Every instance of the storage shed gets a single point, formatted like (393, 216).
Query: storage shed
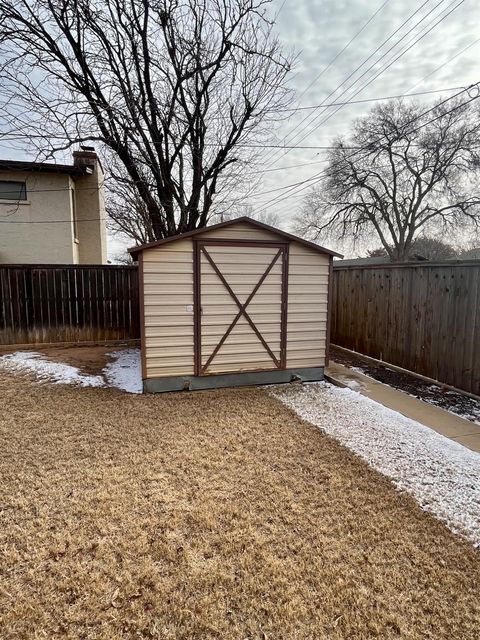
(236, 303)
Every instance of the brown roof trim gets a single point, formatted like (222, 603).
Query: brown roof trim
(255, 223)
(44, 167)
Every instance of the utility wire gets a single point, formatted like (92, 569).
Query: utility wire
(410, 45)
(295, 184)
(390, 63)
(406, 50)
(271, 157)
(444, 64)
(97, 188)
(295, 166)
(333, 60)
(277, 200)
(320, 175)
(363, 100)
(352, 73)
(15, 136)
(71, 221)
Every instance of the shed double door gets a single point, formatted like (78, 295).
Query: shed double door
(240, 306)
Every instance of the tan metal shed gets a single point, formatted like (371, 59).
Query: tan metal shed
(236, 303)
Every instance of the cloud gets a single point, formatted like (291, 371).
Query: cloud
(318, 31)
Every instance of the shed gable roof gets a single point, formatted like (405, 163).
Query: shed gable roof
(134, 251)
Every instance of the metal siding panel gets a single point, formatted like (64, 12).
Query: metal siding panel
(170, 369)
(307, 307)
(168, 292)
(244, 339)
(181, 249)
(242, 231)
(236, 280)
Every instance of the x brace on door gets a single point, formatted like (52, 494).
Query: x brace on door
(242, 308)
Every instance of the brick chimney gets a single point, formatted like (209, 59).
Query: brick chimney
(86, 157)
(90, 208)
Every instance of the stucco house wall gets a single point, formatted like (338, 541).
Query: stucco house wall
(62, 220)
(23, 238)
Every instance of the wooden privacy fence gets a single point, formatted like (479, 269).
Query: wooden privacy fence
(68, 303)
(424, 317)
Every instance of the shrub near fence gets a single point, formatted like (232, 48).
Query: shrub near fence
(424, 317)
(68, 303)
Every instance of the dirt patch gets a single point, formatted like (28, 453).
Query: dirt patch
(90, 360)
(438, 395)
(210, 515)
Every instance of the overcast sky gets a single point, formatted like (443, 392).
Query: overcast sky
(317, 31)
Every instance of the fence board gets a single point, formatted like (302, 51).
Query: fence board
(68, 303)
(424, 317)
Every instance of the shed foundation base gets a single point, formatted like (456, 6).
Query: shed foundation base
(196, 383)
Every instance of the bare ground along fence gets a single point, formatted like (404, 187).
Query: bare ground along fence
(424, 317)
(68, 303)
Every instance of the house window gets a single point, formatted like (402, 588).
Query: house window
(10, 190)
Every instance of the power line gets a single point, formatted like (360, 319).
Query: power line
(398, 95)
(411, 45)
(333, 60)
(319, 176)
(292, 185)
(323, 147)
(444, 64)
(295, 166)
(73, 189)
(14, 136)
(71, 221)
(97, 188)
(422, 79)
(271, 156)
(276, 200)
(11, 136)
(352, 73)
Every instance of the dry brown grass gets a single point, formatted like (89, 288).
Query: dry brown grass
(210, 515)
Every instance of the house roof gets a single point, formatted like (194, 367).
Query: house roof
(44, 167)
(134, 251)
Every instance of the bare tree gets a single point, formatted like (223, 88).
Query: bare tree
(422, 247)
(408, 173)
(176, 90)
(123, 258)
(246, 209)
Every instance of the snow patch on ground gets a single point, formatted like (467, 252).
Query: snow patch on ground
(442, 475)
(56, 372)
(125, 371)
